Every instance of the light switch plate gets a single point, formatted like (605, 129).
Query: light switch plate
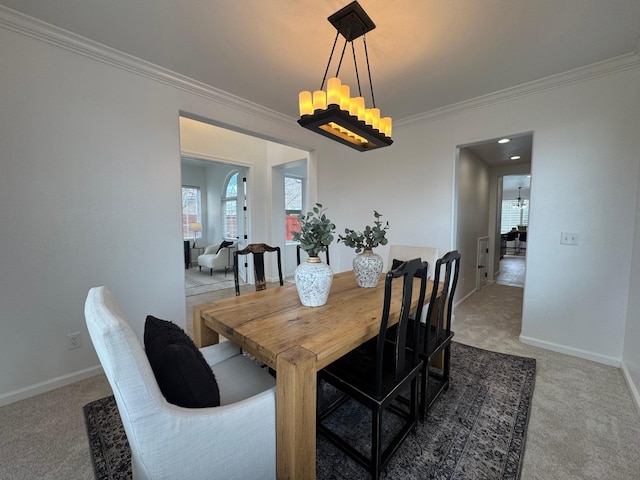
(569, 238)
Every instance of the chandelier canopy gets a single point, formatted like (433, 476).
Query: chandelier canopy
(333, 112)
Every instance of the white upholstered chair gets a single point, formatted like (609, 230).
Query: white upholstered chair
(233, 441)
(216, 257)
(404, 252)
(426, 254)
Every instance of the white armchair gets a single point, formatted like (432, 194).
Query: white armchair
(233, 441)
(216, 257)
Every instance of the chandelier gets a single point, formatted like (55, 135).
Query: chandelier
(333, 112)
(520, 204)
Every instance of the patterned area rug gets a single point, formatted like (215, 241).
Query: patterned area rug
(476, 429)
(197, 282)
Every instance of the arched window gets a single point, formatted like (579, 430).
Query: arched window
(230, 207)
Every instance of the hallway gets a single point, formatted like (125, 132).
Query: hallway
(512, 270)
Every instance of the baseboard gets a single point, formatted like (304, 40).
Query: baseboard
(459, 301)
(42, 387)
(574, 352)
(632, 386)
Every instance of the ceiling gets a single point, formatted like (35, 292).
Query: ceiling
(424, 54)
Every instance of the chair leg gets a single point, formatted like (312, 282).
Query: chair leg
(199, 268)
(424, 380)
(447, 365)
(413, 409)
(376, 443)
(211, 272)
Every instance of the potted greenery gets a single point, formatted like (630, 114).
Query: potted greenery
(367, 265)
(313, 278)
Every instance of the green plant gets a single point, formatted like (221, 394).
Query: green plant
(316, 231)
(368, 239)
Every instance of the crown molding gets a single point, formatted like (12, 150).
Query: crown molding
(34, 28)
(581, 74)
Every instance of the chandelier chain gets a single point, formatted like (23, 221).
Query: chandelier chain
(326, 70)
(355, 66)
(366, 54)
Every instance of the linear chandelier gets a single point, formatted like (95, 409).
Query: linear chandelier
(334, 113)
(520, 204)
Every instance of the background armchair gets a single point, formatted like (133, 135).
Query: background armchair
(217, 256)
(233, 441)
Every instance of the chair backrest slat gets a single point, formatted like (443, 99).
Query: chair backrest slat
(444, 305)
(407, 271)
(257, 250)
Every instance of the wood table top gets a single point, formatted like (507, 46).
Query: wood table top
(271, 321)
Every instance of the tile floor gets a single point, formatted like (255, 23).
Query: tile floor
(512, 269)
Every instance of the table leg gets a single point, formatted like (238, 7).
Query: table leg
(296, 414)
(203, 336)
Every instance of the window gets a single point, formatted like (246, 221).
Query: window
(292, 205)
(230, 207)
(512, 215)
(191, 211)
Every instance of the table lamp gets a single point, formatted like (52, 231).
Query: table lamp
(195, 227)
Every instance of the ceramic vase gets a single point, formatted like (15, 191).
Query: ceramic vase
(313, 281)
(367, 267)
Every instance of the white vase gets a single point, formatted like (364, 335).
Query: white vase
(313, 281)
(367, 267)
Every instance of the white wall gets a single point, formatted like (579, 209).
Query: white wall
(631, 365)
(90, 188)
(472, 213)
(585, 177)
(90, 184)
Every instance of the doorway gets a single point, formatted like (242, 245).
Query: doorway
(219, 151)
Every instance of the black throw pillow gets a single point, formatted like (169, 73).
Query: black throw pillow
(396, 263)
(181, 371)
(224, 244)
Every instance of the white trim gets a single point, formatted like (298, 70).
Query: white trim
(42, 387)
(189, 155)
(632, 387)
(455, 304)
(606, 67)
(32, 27)
(574, 352)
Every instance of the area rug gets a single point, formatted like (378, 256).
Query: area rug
(476, 429)
(197, 282)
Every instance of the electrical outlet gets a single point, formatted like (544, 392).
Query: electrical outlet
(73, 341)
(569, 238)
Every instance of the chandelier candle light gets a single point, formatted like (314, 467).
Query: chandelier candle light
(334, 113)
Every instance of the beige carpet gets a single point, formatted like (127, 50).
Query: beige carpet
(583, 425)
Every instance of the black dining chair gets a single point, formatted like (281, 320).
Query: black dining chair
(522, 242)
(435, 334)
(298, 254)
(187, 254)
(511, 237)
(376, 373)
(257, 250)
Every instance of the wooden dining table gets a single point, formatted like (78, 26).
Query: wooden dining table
(297, 341)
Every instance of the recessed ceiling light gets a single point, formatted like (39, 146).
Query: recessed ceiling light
(504, 140)
(515, 157)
